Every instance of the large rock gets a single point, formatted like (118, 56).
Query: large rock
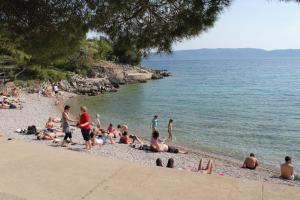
(138, 77)
(107, 76)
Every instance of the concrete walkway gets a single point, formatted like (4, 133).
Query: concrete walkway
(32, 171)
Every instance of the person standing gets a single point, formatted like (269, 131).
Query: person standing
(154, 123)
(170, 130)
(65, 119)
(98, 121)
(55, 89)
(84, 125)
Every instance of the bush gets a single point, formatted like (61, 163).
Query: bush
(104, 49)
(38, 72)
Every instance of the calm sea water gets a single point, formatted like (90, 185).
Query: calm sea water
(229, 106)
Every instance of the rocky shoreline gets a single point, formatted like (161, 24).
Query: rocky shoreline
(106, 76)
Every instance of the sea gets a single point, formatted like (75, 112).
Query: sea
(228, 106)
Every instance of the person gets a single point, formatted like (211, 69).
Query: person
(84, 125)
(154, 123)
(170, 163)
(112, 130)
(120, 129)
(205, 170)
(15, 92)
(250, 162)
(98, 121)
(48, 135)
(6, 104)
(100, 137)
(170, 130)
(65, 119)
(287, 170)
(129, 139)
(56, 90)
(159, 162)
(50, 125)
(45, 136)
(158, 145)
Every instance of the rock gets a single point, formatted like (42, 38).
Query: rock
(159, 74)
(107, 77)
(65, 85)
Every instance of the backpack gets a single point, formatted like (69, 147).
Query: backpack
(31, 130)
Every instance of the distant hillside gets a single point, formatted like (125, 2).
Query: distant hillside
(226, 54)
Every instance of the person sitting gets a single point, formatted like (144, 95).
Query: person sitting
(15, 92)
(100, 137)
(205, 170)
(170, 163)
(159, 162)
(287, 170)
(112, 130)
(158, 145)
(129, 139)
(121, 128)
(50, 125)
(250, 162)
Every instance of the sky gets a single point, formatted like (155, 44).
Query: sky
(265, 24)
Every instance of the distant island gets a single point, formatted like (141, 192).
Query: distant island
(226, 53)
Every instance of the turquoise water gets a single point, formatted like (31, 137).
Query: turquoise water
(228, 106)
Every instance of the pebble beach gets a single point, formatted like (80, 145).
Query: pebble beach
(36, 110)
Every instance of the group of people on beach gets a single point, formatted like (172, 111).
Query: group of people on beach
(286, 168)
(93, 134)
(11, 100)
(98, 135)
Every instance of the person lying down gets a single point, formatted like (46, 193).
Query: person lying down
(45, 135)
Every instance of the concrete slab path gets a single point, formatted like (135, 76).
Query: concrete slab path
(32, 171)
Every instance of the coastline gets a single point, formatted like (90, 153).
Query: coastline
(36, 111)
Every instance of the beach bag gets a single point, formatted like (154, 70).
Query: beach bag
(31, 130)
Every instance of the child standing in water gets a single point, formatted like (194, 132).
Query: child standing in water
(154, 123)
(170, 130)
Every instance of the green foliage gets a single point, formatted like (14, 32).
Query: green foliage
(125, 53)
(10, 54)
(53, 30)
(104, 49)
(154, 24)
(37, 72)
(46, 30)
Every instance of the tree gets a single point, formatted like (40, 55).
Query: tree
(148, 24)
(51, 29)
(45, 29)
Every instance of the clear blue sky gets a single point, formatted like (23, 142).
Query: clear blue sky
(266, 24)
